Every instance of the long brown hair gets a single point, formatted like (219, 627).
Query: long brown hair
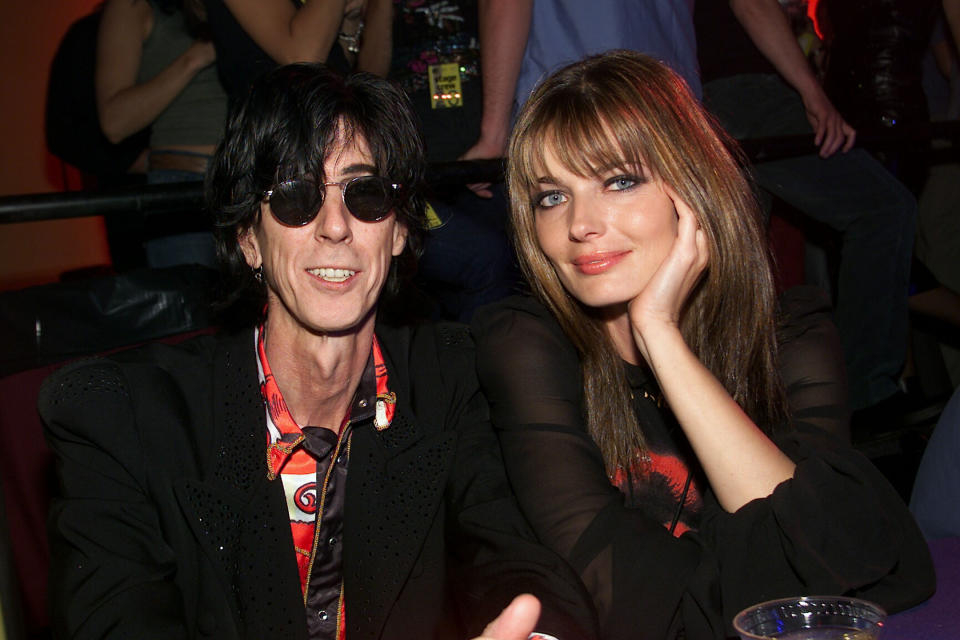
(624, 109)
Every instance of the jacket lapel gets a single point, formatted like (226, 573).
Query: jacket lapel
(394, 492)
(239, 516)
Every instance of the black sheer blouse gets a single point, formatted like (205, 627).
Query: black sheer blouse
(835, 527)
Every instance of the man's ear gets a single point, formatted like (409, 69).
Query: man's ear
(399, 238)
(247, 240)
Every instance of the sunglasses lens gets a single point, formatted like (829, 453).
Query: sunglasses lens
(296, 202)
(369, 198)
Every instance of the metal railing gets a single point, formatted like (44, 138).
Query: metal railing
(938, 142)
(158, 199)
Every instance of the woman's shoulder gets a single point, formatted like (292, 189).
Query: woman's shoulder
(517, 318)
(423, 351)
(520, 345)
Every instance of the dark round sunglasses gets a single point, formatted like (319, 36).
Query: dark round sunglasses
(297, 202)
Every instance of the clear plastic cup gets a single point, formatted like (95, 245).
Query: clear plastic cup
(811, 618)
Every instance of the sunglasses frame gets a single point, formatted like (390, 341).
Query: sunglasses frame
(344, 185)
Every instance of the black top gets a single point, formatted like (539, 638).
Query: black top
(240, 60)
(723, 46)
(169, 527)
(430, 34)
(875, 68)
(665, 482)
(836, 527)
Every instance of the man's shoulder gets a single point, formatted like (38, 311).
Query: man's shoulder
(518, 338)
(424, 337)
(146, 370)
(435, 354)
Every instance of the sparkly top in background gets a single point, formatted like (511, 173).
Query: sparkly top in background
(429, 32)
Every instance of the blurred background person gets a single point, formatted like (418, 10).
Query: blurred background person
(155, 69)
(253, 36)
(758, 83)
(524, 40)
(467, 260)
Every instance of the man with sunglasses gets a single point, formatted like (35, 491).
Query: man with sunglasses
(311, 473)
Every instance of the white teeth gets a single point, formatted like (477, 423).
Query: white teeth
(332, 275)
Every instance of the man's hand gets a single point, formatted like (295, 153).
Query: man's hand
(832, 133)
(516, 622)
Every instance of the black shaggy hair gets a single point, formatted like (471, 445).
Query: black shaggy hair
(285, 128)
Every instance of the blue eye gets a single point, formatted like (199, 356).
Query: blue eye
(621, 183)
(549, 199)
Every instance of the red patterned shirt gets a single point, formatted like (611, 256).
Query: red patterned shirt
(312, 462)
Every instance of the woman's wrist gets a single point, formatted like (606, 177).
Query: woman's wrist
(350, 34)
(655, 327)
(658, 340)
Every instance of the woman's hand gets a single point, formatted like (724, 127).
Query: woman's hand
(661, 301)
(201, 54)
(124, 104)
(740, 462)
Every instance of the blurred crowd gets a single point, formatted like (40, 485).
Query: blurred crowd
(158, 77)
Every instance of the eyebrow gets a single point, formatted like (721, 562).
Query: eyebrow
(359, 168)
(641, 169)
(608, 168)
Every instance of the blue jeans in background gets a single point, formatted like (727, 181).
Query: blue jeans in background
(853, 194)
(468, 260)
(193, 247)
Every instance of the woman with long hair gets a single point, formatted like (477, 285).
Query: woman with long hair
(638, 396)
(155, 68)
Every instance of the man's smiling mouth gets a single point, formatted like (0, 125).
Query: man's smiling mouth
(332, 275)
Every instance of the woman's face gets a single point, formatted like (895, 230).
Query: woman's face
(605, 236)
(327, 275)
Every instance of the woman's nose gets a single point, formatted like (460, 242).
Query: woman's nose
(585, 220)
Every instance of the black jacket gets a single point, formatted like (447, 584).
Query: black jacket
(169, 528)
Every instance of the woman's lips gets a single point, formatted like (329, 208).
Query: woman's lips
(596, 263)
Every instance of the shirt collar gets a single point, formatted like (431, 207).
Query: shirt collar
(372, 399)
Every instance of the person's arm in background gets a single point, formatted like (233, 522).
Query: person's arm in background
(377, 42)
(504, 26)
(123, 106)
(951, 9)
(290, 34)
(766, 24)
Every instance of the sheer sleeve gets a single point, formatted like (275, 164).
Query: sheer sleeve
(836, 527)
(811, 361)
(644, 582)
